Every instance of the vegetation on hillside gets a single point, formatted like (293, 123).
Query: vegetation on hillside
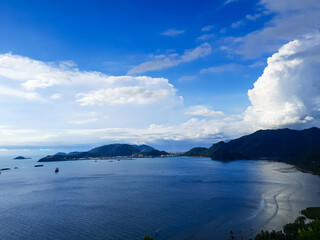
(108, 151)
(147, 237)
(298, 230)
(298, 147)
(196, 152)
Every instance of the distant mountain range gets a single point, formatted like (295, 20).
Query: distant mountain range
(108, 151)
(298, 147)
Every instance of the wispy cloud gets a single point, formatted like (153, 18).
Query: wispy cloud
(186, 78)
(237, 24)
(123, 95)
(221, 68)
(201, 110)
(205, 37)
(207, 28)
(56, 96)
(291, 19)
(194, 129)
(253, 17)
(257, 64)
(230, 1)
(189, 55)
(85, 121)
(30, 95)
(172, 32)
(33, 74)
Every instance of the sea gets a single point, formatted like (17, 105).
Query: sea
(166, 198)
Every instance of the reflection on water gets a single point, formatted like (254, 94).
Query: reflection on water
(177, 198)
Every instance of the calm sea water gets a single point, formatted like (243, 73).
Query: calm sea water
(169, 198)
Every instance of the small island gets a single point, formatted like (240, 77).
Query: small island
(21, 157)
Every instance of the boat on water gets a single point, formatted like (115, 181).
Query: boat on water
(57, 170)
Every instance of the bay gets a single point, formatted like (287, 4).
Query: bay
(167, 198)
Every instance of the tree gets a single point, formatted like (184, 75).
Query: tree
(147, 237)
(310, 232)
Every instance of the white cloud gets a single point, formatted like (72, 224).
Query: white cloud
(292, 19)
(253, 17)
(257, 64)
(123, 95)
(141, 90)
(289, 5)
(8, 91)
(237, 24)
(230, 1)
(205, 37)
(26, 137)
(56, 96)
(33, 74)
(85, 121)
(67, 64)
(225, 48)
(194, 130)
(288, 92)
(38, 80)
(201, 110)
(172, 32)
(207, 28)
(189, 55)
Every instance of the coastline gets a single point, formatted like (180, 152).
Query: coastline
(304, 170)
(271, 160)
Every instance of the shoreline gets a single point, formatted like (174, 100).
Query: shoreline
(304, 170)
(269, 160)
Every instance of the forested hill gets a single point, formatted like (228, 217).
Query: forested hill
(108, 151)
(298, 147)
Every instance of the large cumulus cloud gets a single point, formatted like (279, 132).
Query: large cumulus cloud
(288, 91)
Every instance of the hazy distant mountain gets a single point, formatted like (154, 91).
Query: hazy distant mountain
(298, 147)
(60, 153)
(21, 157)
(111, 150)
(144, 147)
(153, 153)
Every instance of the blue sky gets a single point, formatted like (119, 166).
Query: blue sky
(172, 74)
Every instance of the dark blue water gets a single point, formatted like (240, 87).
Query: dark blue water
(167, 198)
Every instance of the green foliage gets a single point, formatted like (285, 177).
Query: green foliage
(147, 237)
(273, 235)
(291, 230)
(298, 230)
(111, 150)
(153, 153)
(312, 212)
(197, 152)
(310, 231)
(298, 147)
